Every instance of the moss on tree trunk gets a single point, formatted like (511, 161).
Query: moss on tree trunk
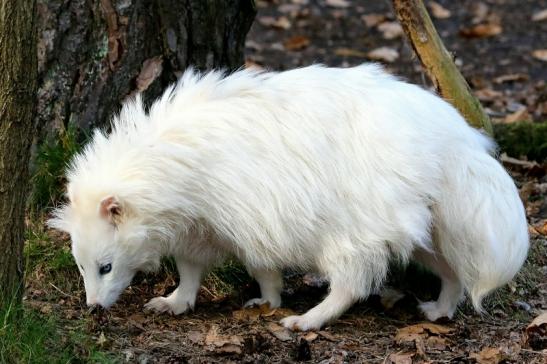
(17, 100)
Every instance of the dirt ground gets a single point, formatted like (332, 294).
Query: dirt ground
(502, 62)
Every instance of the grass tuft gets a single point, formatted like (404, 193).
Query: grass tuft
(48, 177)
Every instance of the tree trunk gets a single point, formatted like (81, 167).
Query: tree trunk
(93, 54)
(438, 62)
(17, 100)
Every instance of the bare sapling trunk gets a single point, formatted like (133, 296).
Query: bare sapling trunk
(438, 62)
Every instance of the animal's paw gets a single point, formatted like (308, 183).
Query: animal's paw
(260, 301)
(300, 323)
(169, 305)
(433, 312)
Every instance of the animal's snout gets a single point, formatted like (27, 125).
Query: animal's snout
(92, 301)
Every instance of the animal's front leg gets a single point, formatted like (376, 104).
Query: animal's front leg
(271, 284)
(184, 297)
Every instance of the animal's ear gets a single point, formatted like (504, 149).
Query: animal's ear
(111, 209)
(60, 219)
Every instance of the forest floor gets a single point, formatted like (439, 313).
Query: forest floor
(499, 49)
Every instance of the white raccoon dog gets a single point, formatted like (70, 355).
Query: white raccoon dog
(333, 170)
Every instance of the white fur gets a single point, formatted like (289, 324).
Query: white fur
(333, 170)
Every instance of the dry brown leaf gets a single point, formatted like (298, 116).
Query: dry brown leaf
(151, 69)
(229, 344)
(488, 356)
(348, 52)
(479, 10)
(310, 336)
(279, 23)
(338, 3)
(488, 94)
(252, 313)
(436, 343)
(279, 312)
(482, 30)
(400, 358)
(280, 332)
(372, 20)
(540, 54)
(385, 54)
(536, 333)
(438, 11)
(512, 77)
(195, 336)
(391, 29)
(541, 228)
(519, 115)
(413, 332)
(327, 335)
(540, 15)
(296, 43)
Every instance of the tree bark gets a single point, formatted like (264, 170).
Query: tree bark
(95, 53)
(17, 100)
(438, 62)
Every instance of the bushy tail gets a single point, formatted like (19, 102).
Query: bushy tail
(481, 223)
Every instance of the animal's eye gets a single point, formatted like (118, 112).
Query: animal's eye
(82, 267)
(105, 269)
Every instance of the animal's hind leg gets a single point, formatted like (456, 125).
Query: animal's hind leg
(452, 291)
(352, 272)
(339, 299)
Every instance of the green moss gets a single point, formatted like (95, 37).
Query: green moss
(523, 139)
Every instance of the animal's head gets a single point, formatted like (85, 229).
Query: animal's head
(109, 244)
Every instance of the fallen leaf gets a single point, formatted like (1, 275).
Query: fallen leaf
(385, 54)
(438, 11)
(390, 29)
(279, 312)
(151, 69)
(541, 228)
(195, 336)
(280, 332)
(372, 20)
(540, 54)
(519, 115)
(229, 344)
(310, 336)
(512, 77)
(482, 30)
(540, 15)
(251, 313)
(400, 358)
(535, 335)
(530, 168)
(327, 335)
(296, 43)
(347, 52)
(479, 10)
(411, 333)
(338, 3)
(279, 23)
(488, 94)
(436, 343)
(488, 356)
(46, 309)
